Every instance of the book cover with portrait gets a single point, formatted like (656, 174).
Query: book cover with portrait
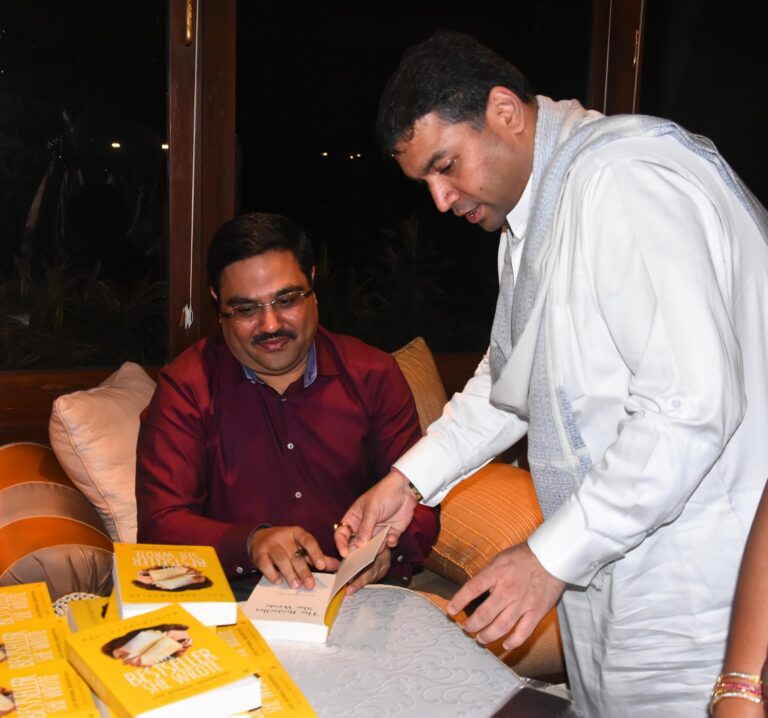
(149, 576)
(164, 662)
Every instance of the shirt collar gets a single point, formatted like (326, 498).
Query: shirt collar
(517, 219)
(310, 371)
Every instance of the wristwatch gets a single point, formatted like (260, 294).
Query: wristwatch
(416, 493)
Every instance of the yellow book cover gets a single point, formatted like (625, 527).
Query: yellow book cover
(113, 610)
(87, 613)
(32, 643)
(164, 663)
(148, 576)
(49, 689)
(280, 695)
(283, 613)
(25, 602)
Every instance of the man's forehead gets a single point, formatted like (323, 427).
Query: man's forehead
(264, 274)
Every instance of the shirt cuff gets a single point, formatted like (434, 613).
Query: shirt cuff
(428, 467)
(566, 547)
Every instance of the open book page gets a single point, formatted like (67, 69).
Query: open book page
(282, 612)
(359, 559)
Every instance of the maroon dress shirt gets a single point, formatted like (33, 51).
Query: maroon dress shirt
(220, 454)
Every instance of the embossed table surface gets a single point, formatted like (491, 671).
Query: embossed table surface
(393, 653)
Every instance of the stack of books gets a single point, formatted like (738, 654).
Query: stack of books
(145, 652)
(35, 677)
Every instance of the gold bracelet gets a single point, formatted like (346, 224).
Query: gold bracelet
(737, 685)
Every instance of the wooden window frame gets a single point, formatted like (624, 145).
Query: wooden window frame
(26, 396)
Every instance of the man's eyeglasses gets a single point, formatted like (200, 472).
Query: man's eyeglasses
(283, 303)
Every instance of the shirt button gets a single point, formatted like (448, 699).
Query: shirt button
(282, 398)
(239, 569)
(400, 558)
(290, 444)
(298, 494)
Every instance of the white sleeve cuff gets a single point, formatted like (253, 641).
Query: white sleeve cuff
(567, 549)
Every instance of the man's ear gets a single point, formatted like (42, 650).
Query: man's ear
(215, 302)
(505, 110)
(312, 276)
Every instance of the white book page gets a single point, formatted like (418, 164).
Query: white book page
(358, 559)
(281, 602)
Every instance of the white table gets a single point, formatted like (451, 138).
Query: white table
(393, 653)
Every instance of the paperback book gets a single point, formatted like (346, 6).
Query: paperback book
(279, 694)
(87, 613)
(35, 679)
(150, 576)
(164, 663)
(283, 613)
(25, 602)
(32, 643)
(52, 688)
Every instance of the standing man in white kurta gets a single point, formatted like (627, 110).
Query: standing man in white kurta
(630, 342)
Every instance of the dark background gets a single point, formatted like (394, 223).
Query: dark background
(309, 78)
(83, 273)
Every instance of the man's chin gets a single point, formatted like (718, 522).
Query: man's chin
(492, 224)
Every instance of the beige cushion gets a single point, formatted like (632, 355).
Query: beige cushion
(418, 366)
(93, 434)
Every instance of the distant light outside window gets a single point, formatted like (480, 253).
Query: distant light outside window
(83, 183)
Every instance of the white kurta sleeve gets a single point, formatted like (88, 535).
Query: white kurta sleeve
(470, 432)
(652, 248)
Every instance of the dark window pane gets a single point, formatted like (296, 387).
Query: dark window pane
(83, 183)
(308, 82)
(703, 66)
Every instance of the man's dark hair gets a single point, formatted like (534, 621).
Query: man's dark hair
(256, 233)
(450, 74)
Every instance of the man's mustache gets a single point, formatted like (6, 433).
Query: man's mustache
(266, 336)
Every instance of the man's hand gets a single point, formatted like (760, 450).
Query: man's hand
(288, 552)
(378, 569)
(521, 593)
(388, 502)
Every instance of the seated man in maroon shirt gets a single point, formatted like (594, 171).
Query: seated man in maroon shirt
(257, 441)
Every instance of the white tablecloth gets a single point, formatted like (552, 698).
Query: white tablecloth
(393, 653)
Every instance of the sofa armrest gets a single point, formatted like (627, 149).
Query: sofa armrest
(49, 531)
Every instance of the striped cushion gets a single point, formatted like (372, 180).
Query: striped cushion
(493, 509)
(416, 362)
(49, 531)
